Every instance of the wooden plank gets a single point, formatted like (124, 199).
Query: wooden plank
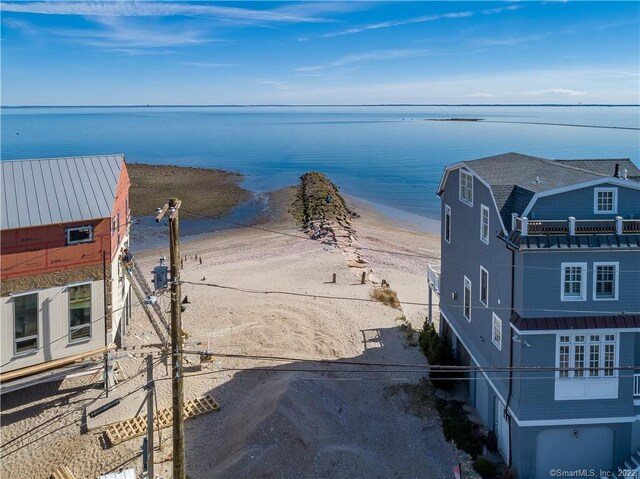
(56, 363)
(137, 426)
(62, 472)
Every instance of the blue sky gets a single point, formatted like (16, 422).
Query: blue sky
(117, 52)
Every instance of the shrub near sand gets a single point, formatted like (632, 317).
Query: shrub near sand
(386, 296)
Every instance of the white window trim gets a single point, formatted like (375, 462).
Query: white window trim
(587, 387)
(465, 173)
(615, 279)
(17, 354)
(583, 282)
(464, 296)
(486, 304)
(495, 320)
(447, 212)
(68, 230)
(614, 205)
(484, 208)
(90, 325)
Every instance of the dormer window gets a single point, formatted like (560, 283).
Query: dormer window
(466, 187)
(605, 200)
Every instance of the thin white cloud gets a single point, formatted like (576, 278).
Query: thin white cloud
(121, 33)
(156, 9)
(209, 65)
(364, 57)
(493, 11)
(279, 85)
(554, 91)
(511, 40)
(393, 23)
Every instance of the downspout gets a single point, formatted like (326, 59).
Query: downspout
(506, 407)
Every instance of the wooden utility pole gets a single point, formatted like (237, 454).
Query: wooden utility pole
(176, 337)
(150, 391)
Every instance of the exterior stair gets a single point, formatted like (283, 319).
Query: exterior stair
(630, 467)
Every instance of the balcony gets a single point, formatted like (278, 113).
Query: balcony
(572, 226)
(433, 279)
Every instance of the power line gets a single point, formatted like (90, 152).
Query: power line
(398, 253)
(421, 367)
(371, 300)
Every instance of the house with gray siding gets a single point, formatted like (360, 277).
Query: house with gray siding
(539, 291)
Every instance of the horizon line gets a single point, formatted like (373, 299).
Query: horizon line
(293, 105)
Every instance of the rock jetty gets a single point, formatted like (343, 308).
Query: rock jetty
(323, 215)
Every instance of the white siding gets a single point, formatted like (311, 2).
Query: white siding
(53, 328)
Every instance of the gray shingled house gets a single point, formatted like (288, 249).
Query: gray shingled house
(541, 276)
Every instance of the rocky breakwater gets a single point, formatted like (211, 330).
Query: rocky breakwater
(323, 215)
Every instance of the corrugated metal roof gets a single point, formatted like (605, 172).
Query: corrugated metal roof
(58, 190)
(574, 242)
(576, 322)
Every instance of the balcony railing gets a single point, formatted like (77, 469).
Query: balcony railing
(636, 385)
(572, 226)
(433, 279)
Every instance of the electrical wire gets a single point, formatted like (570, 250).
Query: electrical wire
(399, 253)
(371, 300)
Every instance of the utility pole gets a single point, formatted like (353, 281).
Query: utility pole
(176, 337)
(150, 391)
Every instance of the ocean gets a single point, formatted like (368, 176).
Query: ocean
(388, 156)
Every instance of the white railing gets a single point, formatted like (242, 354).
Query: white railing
(433, 279)
(572, 226)
(636, 385)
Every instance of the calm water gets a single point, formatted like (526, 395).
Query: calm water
(385, 155)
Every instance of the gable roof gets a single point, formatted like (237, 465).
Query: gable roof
(58, 190)
(515, 178)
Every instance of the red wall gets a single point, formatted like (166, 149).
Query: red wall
(41, 249)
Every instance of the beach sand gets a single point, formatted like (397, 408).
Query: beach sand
(286, 418)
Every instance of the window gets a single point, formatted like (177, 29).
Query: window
(605, 281)
(605, 200)
(467, 299)
(484, 224)
(466, 187)
(496, 331)
(574, 281)
(586, 356)
(447, 223)
(79, 234)
(484, 286)
(25, 323)
(79, 312)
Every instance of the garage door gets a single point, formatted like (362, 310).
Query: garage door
(571, 449)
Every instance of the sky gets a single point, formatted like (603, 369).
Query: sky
(323, 52)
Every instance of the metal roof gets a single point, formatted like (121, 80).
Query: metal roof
(573, 242)
(58, 190)
(622, 321)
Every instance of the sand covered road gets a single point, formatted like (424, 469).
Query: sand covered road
(286, 418)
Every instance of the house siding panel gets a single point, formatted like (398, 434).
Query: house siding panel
(53, 328)
(463, 257)
(539, 282)
(533, 399)
(579, 204)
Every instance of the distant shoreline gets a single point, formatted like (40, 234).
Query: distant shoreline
(266, 105)
(483, 120)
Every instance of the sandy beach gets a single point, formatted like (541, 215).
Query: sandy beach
(267, 291)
